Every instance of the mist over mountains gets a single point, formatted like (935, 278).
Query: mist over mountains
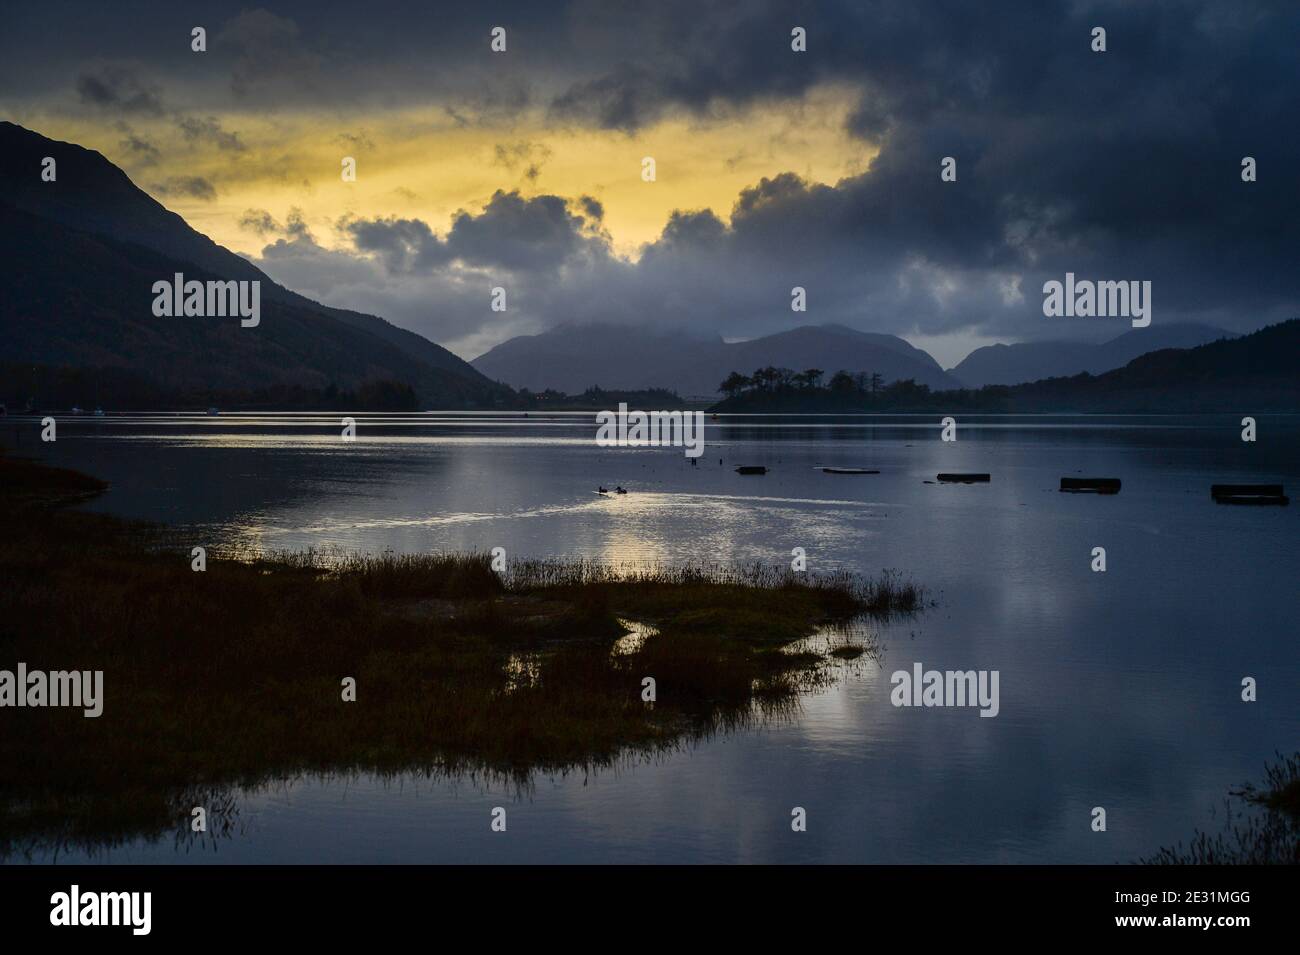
(571, 358)
(81, 254)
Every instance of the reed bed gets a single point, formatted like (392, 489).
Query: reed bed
(233, 677)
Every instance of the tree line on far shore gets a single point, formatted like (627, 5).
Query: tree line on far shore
(786, 381)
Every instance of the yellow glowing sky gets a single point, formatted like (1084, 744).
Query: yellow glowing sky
(422, 165)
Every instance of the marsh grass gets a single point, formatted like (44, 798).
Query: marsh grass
(1261, 824)
(232, 677)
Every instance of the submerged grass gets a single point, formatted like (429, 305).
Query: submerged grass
(234, 676)
(1261, 824)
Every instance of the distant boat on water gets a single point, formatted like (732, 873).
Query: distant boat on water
(1098, 485)
(213, 412)
(1249, 494)
(849, 471)
(751, 469)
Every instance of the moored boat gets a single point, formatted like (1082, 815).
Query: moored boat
(1249, 494)
(1095, 485)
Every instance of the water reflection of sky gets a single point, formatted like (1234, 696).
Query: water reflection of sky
(1117, 689)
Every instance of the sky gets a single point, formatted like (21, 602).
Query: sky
(774, 168)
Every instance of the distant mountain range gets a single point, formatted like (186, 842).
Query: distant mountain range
(1248, 374)
(572, 358)
(80, 255)
(1032, 361)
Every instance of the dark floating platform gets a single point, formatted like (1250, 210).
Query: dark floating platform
(751, 469)
(963, 478)
(1095, 485)
(1246, 490)
(1249, 494)
(848, 471)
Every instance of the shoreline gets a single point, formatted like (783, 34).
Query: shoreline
(280, 664)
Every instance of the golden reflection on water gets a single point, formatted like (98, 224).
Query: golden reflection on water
(632, 641)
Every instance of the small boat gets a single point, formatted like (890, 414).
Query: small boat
(963, 478)
(602, 490)
(1249, 494)
(618, 489)
(77, 410)
(1098, 485)
(751, 469)
(213, 412)
(99, 412)
(848, 471)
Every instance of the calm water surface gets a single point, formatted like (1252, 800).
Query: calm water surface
(1119, 689)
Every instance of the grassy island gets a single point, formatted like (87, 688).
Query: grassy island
(236, 675)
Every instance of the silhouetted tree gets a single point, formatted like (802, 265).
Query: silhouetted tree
(841, 382)
(810, 378)
(734, 384)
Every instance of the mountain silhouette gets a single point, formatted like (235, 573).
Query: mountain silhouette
(83, 252)
(1032, 361)
(571, 358)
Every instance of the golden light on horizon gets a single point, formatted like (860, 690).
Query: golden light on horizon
(420, 164)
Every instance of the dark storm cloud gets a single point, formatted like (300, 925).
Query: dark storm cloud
(527, 158)
(125, 90)
(141, 151)
(1123, 164)
(267, 55)
(259, 222)
(512, 233)
(517, 233)
(195, 187)
(403, 245)
(625, 100)
(209, 130)
(119, 89)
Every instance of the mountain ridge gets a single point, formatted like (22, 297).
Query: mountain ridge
(92, 196)
(1249, 374)
(574, 357)
(1023, 362)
